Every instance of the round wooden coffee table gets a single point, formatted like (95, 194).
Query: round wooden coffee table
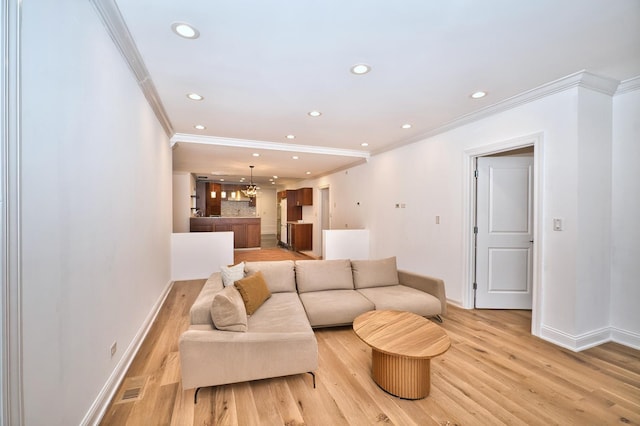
(402, 345)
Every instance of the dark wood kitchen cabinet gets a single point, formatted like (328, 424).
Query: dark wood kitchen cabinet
(301, 236)
(304, 197)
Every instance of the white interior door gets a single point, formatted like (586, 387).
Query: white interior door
(504, 241)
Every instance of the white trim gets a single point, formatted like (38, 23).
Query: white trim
(270, 146)
(535, 140)
(582, 78)
(117, 28)
(629, 85)
(625, 337)
(102, 401)
(12, 408)
(575, 343)
(590, 339)
(455, 303)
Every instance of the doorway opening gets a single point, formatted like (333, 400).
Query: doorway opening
(509, 268)
(503, 230)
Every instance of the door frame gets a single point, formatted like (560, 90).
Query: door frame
(469, 213)
(11, 385)
(321, 213)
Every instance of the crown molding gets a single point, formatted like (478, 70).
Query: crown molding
(629, 85)
(271, 146)
(119, 33)
(583, 79)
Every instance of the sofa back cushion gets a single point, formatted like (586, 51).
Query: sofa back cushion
(228, 311)
(279, 275)
(318, 275)
(375, 273)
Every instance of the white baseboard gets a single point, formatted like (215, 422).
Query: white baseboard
(456, 303)
(101, 403)
(625, 337)
(588, 340)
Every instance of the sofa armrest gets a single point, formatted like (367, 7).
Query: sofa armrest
(431, 285)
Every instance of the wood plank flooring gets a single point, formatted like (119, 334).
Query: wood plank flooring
(494, 373)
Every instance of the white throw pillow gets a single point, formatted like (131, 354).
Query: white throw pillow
(227, 310)
(231, 274)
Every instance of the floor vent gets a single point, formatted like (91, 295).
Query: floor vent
(132, 390)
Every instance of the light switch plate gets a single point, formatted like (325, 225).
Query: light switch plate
(557, 224)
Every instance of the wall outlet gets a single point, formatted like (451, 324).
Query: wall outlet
(114, 348)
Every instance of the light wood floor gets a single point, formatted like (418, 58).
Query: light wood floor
(494, 373)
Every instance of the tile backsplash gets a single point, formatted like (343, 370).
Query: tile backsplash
(237, 208)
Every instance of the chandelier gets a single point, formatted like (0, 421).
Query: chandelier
(252, 190)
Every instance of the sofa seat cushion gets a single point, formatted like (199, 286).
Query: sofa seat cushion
(200, 311)
(334, 307)
(403, 298)
(317, 275)
(282, 313)
(375, 273)
(279, 275)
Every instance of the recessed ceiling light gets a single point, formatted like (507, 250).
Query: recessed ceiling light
(360, 69)
(270, 179)
(315, 113)
(273, 183)
(221, 180)
(194, 97)
(255, 154)
(291, 136)
(406, 126)
(364, 144)
(478, 95)
(275, 177)
(295, 157)
(185, 30)
(199, 127)
(308, 173)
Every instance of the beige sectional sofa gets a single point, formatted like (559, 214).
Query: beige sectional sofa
(305, 294)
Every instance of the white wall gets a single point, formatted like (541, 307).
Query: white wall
(345, 244)
(625, 230)
(349, 193)
(575, 152)
(96, 209)
(196, 255)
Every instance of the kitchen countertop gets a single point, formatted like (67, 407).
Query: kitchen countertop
(225, 217)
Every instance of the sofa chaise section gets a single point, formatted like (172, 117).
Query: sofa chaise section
(279, 342)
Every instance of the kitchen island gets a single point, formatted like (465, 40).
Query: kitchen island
(246, 230)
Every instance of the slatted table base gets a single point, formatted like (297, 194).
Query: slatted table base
(404, 377)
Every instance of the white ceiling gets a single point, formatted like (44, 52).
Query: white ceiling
(263, 65)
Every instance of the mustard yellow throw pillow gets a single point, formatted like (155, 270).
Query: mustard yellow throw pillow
(254, 291)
